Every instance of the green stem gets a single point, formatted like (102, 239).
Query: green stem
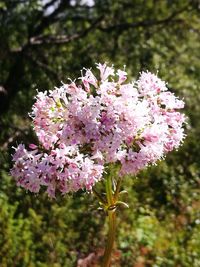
(116, 194)
(111, 223)
(109, 191)
(111, 238)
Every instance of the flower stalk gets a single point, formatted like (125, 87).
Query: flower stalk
(111, 238)
(111, 214)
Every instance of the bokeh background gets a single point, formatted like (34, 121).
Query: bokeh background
(43, 42)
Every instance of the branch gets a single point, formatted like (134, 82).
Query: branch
(48, 4)
(145, 23)
(62, 39)
(53, 39)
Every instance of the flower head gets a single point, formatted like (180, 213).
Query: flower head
(83, 126)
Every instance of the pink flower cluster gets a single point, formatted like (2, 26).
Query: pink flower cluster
(84, 126)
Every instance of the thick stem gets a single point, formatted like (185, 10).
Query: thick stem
(111, 222)
(111, 238)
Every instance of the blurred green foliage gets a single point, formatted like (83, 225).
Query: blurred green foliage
(45, 42)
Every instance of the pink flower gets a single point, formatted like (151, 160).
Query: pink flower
(88, 79)
(122, 76)
(105, 71)
(32, 146)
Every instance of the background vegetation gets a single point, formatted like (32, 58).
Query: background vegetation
(45, 42)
